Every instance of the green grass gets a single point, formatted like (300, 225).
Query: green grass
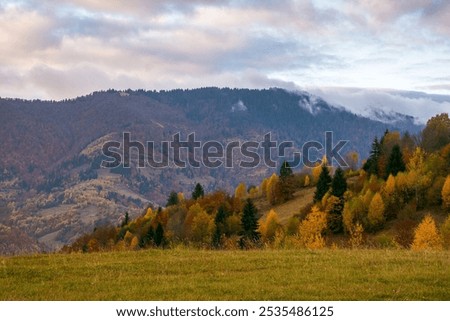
(188, 274)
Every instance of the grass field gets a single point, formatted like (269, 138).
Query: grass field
(188, 274)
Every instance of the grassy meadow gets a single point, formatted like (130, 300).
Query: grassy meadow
(188, 274)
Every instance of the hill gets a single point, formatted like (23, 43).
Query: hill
(53, 189)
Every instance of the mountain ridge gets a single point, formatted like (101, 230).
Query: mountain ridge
(51, 184)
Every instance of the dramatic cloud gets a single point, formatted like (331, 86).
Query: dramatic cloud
(59, 49)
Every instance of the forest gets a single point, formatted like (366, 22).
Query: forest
(399, 198)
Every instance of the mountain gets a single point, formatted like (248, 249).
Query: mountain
(53, 189)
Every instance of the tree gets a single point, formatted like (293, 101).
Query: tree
(376, 212)
(173, 199)
(323, 184)
(220, 226)
(285, 170)
(426, 236)
(436, 133)
(445, 232)
(198, 191)
(202, 228)
(395, 163)
(126, 220)
(352, 159)
(286, 186)
(335, 207)
(147, 238)
(272, 189)
(371, 165)
(307, 181)
(241, 191)
(446, 193)
(249, 222)
(312, 227)
(159, 235)
(339, 183)
(356, 235)
(270, 226)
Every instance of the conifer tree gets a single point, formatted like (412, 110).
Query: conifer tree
(219, 222)
(198, 191)
(126, 220)
(147, 238)
(159, 235)
(323, 184)
(286, 187)
(173, 199)
(249, 222)
(395, 162)
(285, 170)
(371, 165)
(339, 183)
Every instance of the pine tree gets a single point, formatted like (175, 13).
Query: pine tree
(173, 199)
(339, 183)
(371, 165)
(219, 222)
(323, 184)
(286, 186)
(198, 191)
(285, 170)
(147, 238)
(126, 220)
(159, 235)
(249, 222)
(395, 162)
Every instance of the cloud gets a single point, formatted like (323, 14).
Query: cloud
(59, 49)
(368, 101)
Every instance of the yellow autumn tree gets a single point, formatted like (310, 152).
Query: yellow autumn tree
(193, 211)
(446, 193)
(389, 187)
(376, 211)
(128, 237)
(263, 187)
(312, 227)
(180, 196)
(271, 188)
(426, 236)
(356, 235)
(149, 214)
(240, 191)
(307, 181)
(269, 227)
(202, 228)
(134, 244)
(445, 232)
(416, 161)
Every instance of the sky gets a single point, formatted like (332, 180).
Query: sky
(58, 49)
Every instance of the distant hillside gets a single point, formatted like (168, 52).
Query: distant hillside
(51, 185)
